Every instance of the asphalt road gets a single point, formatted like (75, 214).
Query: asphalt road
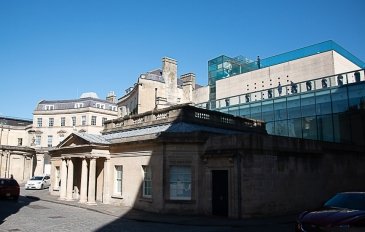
(37, 215)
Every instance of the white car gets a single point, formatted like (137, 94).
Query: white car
(38, 182)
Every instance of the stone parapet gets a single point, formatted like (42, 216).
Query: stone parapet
(184, 113)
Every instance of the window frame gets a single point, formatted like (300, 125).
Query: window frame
(83, 120)
(50, 141)
(181, 188)
(63, 121)
(38, 140)
(49, 107)
(39, 122)
(79, 105)
(147, 172)
(93, 120)
(74, 120)
(50, 122)
(118, 190)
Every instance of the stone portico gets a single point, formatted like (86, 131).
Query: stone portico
(84, 169)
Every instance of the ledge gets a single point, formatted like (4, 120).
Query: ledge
(117, 196)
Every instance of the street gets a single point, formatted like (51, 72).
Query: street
(32, 214)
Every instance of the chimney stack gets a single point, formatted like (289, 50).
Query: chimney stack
(111, 97)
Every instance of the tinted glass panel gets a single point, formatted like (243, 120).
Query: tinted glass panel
(280, 109)
(281, 128)
(342, 124)
(295, 128)
(293, 104)
(309, 125)
(308, 104)
(245, 111)
(325, 128)
(267, 111)
(233, 110)
(256, 111)
(323, 102)
(339, 100)
(357, 96)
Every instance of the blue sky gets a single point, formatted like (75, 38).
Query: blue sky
(58, 49)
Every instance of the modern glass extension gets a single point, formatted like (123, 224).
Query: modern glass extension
(320, 109)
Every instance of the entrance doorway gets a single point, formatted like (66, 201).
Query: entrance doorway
(220, 192)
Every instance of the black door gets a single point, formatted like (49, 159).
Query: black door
(220, 192)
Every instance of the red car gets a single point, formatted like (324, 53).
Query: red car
(343, 212)
(9, 188)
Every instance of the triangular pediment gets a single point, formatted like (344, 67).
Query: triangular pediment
(73, 140)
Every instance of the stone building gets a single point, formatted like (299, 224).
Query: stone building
(187, 160)
(158, 89)
(17, 158)
(54, 120)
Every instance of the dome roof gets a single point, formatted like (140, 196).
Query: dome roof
(89, 94)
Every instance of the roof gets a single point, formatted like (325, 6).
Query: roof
(92, 138)
(70, 104)
(179, 127)
(12, 121)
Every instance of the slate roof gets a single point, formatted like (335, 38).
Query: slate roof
(181, 127)
(70, 104)
(12, 121)
(92, 138)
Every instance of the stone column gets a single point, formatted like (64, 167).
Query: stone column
(63, 179)
(92, 181)
(70, 180)
(83, 190)
(106, 187)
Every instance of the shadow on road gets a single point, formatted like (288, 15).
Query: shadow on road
(9, 207)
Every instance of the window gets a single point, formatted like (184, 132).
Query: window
(118, 180)
(20, 141)
(49, 107)
(180, 183)
(39, 122)
(51, 122)
(63, 121)
(49, 141)
(73, 121)
(79, 105)
(147, 182)
(93, 120)
(38, 140)
(113, 108)
(101, 106)
(103, 120)
(83, 120)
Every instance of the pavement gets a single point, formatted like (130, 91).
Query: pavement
(139, 215)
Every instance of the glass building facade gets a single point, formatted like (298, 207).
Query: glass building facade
(320, 109)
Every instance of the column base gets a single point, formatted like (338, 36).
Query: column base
(62, 198)
(69, 199)
(91, 203)
(82, 201)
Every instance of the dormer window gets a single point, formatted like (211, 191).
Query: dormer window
(113, 108)
(49, 107)
(79, 105)
(100, 106)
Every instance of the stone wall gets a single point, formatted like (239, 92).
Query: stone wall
(280, 175)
